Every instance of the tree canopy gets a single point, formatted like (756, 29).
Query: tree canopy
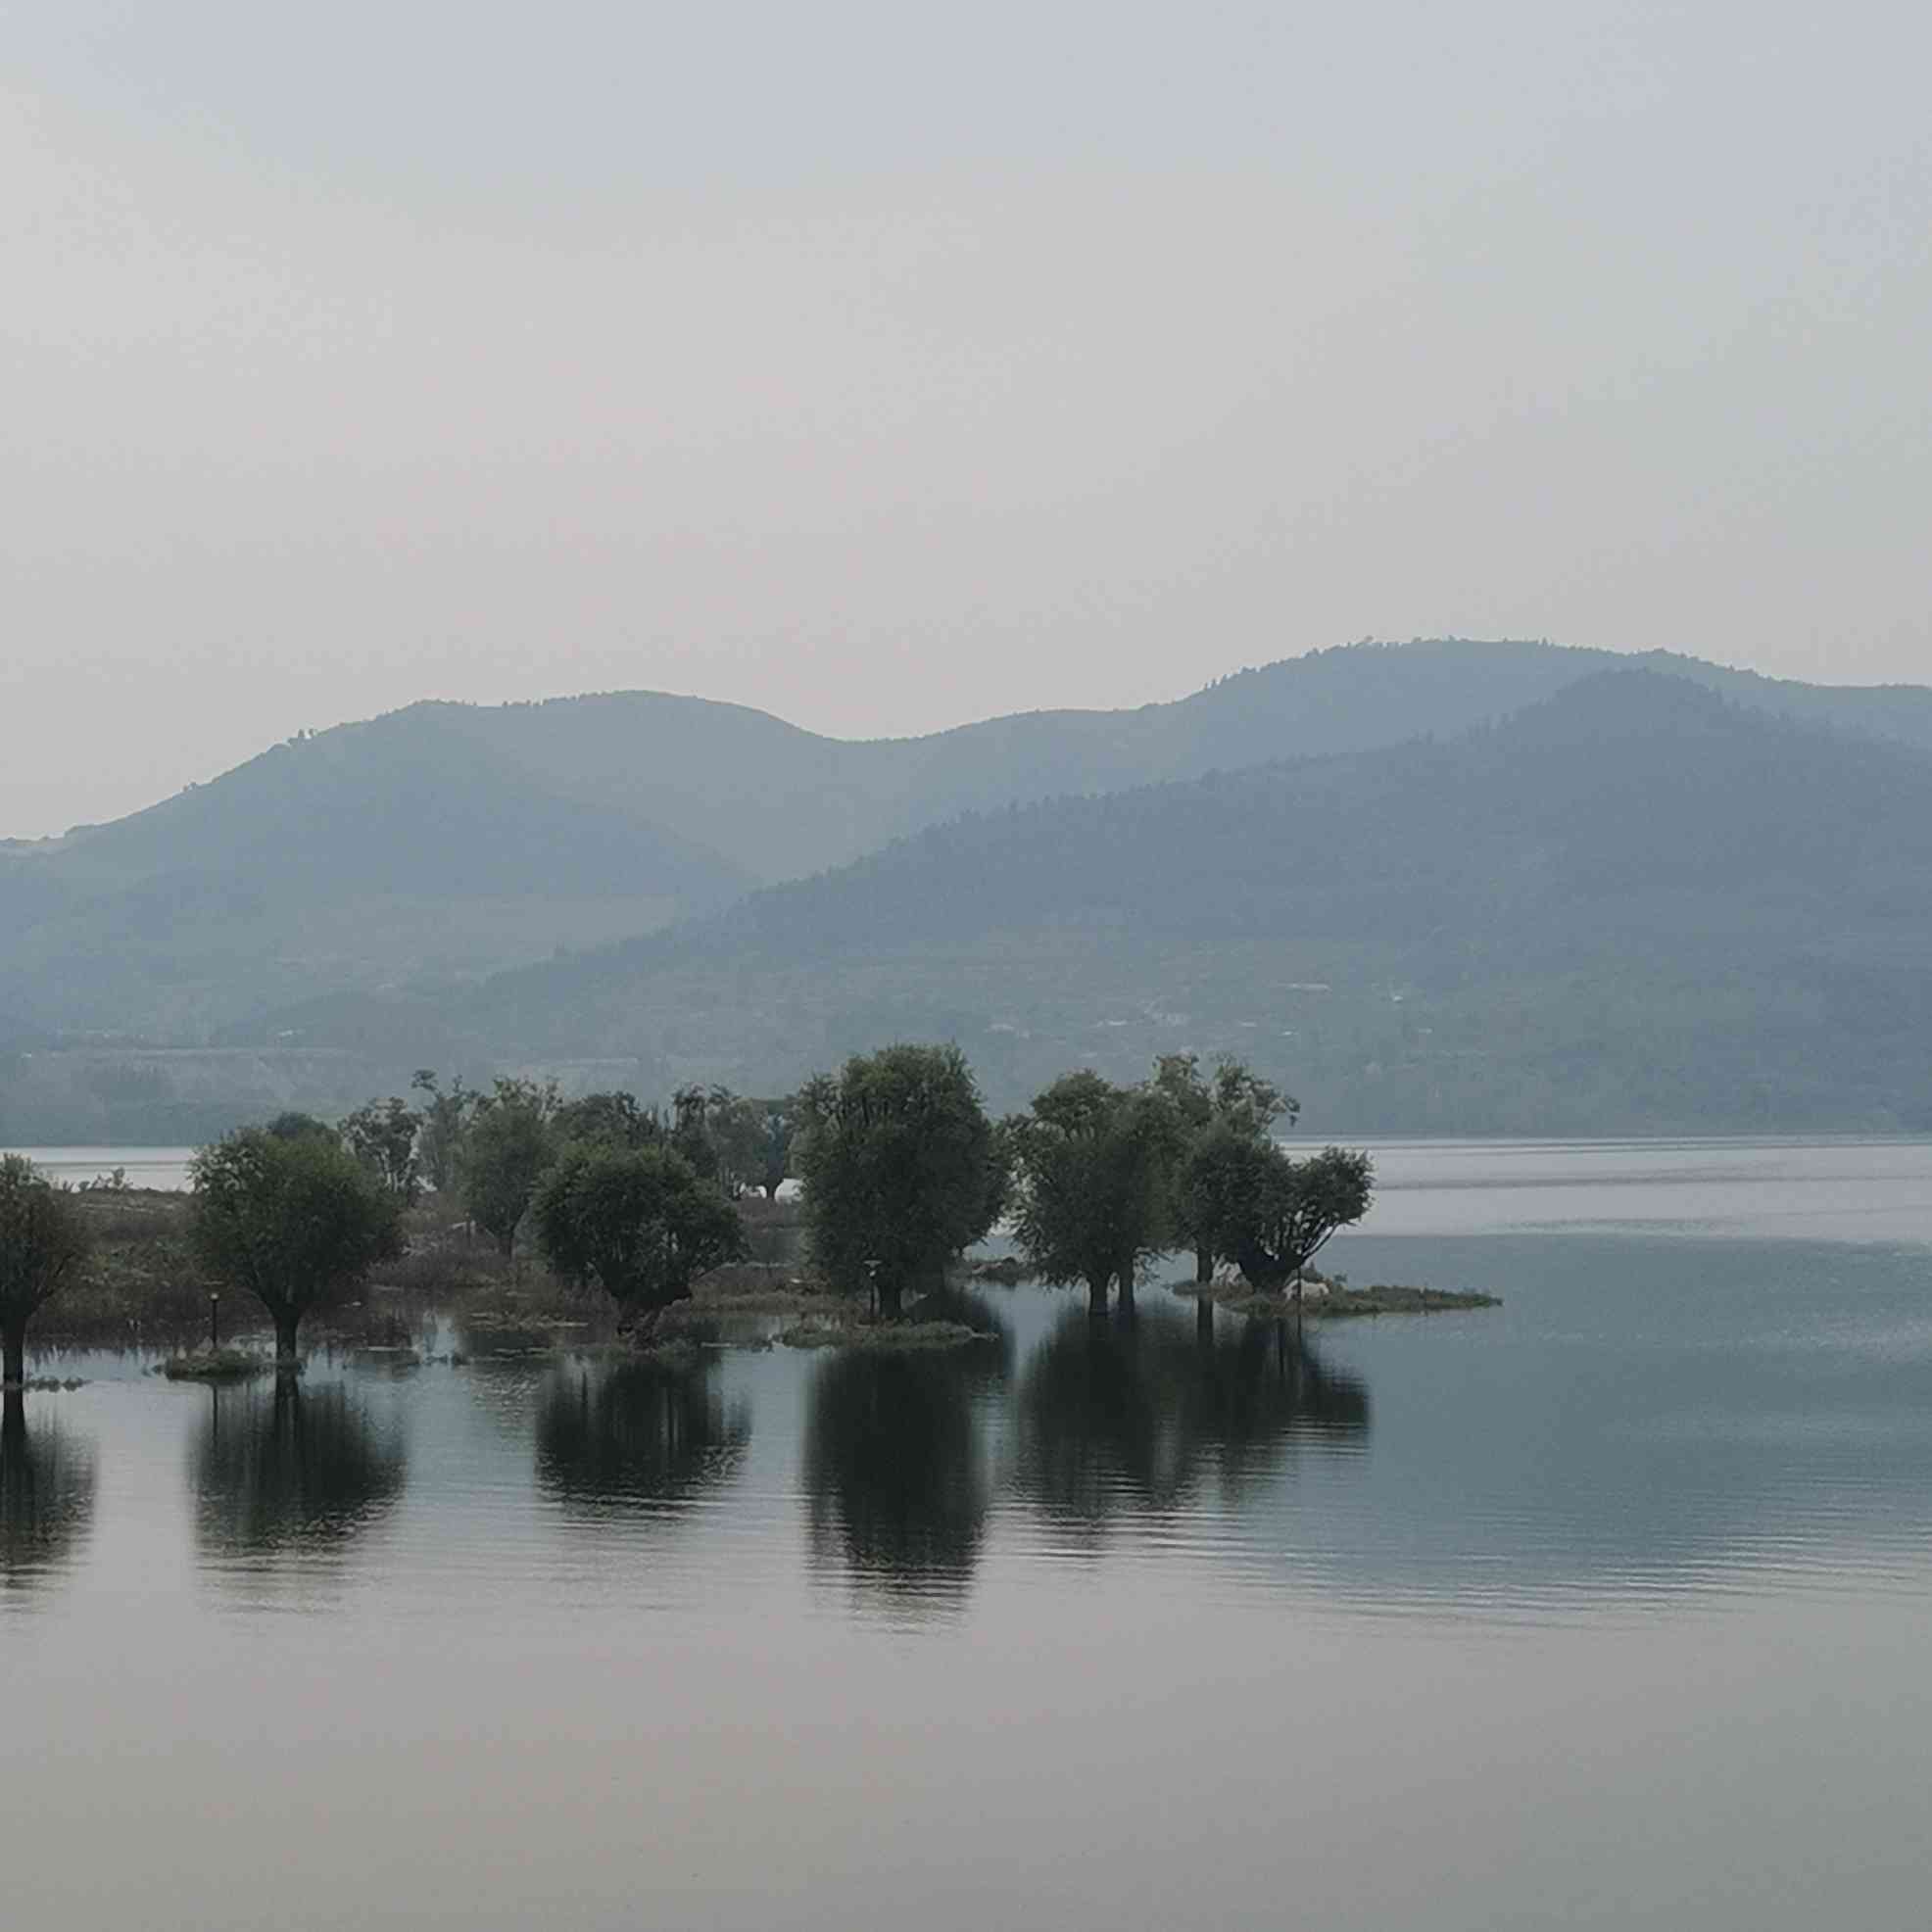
(291, 1222)
(636, 1221)
(42, 1246)
(903, 1170)
(1094, 1162)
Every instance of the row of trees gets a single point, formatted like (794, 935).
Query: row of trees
(476, 1144)
(903, 1171)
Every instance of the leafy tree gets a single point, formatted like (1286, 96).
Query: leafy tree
(1233, 1100)
(382, 1136)
(293, 1221)
(446, 1120)
(43, 1242)
(1094, 1163)
(293, 1126)
(608, 1119)
(505, 1151)
(902, 1168)
(691, 1127)
(1279, 1211)
(754, 1140)
(636, 1221)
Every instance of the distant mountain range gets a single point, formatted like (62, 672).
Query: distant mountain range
(1436, 886)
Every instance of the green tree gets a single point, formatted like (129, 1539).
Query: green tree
(446, 1120)
(1232, 1101)
(754, 1140)
(1281, 1212)
(294, 1125)
(508, 1145)
(292, 1222)
(612, 1120)
(902, 1168)
(636, 1221)
(382, 1136)
(43, 1242)
(1095, 1165)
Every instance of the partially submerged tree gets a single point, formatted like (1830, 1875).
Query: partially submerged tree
(382, 1136)
(901, 1169)
(1281, 1212)
(505, 1151)
(43, 1242)
(1232, 1102)
(636, 1221)
(1093, 1163)
(294, 1222)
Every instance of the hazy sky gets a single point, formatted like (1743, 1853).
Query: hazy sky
(886, 365)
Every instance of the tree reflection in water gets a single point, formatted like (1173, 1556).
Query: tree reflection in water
(299, 1473)
(47, 1485)
(1124, 1416)
(896, 1465)
(640, 1433)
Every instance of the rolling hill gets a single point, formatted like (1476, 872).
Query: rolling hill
(1079, 885)
(1635, 906)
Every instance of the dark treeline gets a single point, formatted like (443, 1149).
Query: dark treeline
(900, 1170)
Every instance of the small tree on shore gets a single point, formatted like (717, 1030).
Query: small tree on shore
(382, 1134)
(636, 1221)
(1093, 1162)
(43, 1243)
(508, 1145)
(1231, 1104)
(446, 1119)
(1281, 1212)
(903, 1170)
(293, 1223)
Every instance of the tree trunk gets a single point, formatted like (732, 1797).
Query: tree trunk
(891, 1298)
(15, 1372)
(1204, 1319)
(1203, 1266)
(1097, 1297)
(1126, 1287)
(287, 1320)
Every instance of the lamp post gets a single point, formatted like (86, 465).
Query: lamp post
(214, 1318)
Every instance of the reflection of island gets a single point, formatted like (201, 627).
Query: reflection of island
(894, 1462)
(297, 1472)
(1124, 1416)
(46, 1496)
(640, 1432)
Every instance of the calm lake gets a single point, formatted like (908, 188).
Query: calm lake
(1610, 1607)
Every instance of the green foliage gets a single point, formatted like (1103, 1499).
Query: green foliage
(291, 1222)
(382, 1136)
(1280, 1212)
(902, 1168)
(1233, 1101)
(612, 1120)
(1094, 1163)
(636, 1221)
(293, 1126)
(754, 1140)
(446, 1119)
(43, 1243)
(505, 1153)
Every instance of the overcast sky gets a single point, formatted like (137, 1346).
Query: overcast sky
(886, 365)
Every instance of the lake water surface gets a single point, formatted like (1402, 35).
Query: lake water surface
(1610, 1607)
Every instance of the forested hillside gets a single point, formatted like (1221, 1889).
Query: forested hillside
(1635, 906)
(1495, 885)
